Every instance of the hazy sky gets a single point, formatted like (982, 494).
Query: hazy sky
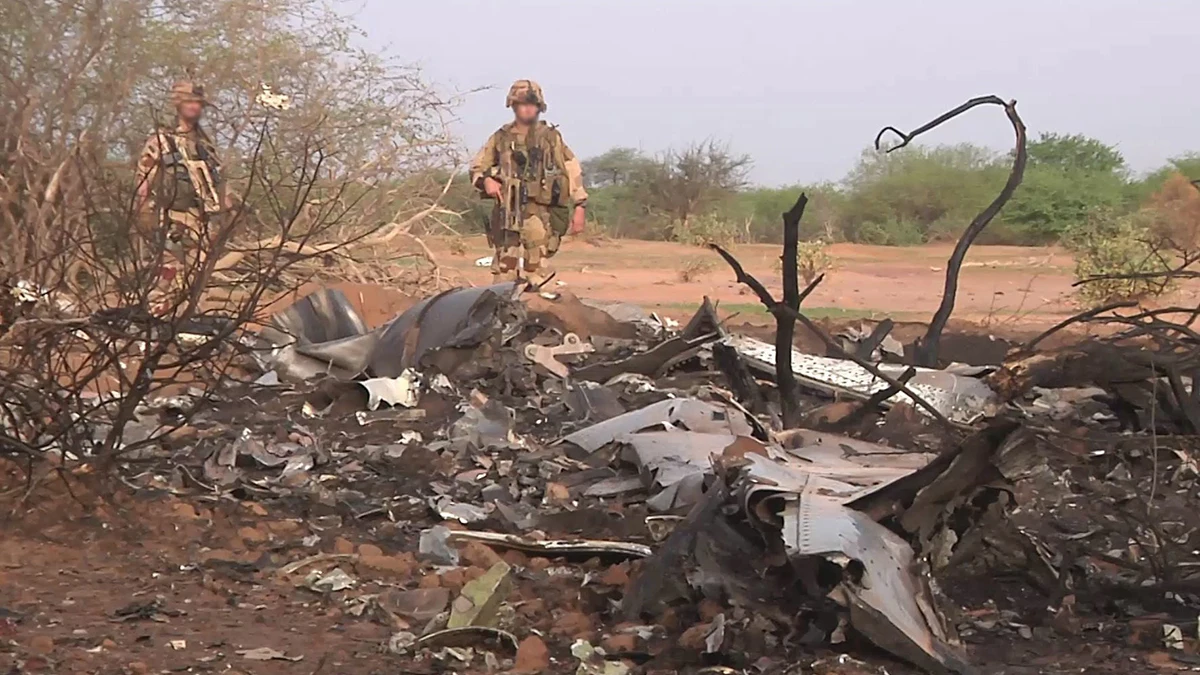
(803, 85)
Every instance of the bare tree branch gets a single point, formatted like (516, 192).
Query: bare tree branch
(927, 347)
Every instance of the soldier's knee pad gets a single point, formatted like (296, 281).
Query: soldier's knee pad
(533, 232)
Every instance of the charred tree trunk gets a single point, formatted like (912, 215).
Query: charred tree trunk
(926, 353)
(785, 324)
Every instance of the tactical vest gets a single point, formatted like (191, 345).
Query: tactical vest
(178, 191)
(538, 161)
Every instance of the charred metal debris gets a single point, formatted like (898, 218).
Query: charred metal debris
(809, 502)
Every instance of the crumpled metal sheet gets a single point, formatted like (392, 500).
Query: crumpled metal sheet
(807, 499)
(674, 463)
(888, 589)
(889, 603)
(690, 414)
(961, 399)
(671, 456)
(459, 318)
(322, 334)
(323, 316)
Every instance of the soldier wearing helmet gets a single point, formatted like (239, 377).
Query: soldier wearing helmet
(179, 182)
(535, 179)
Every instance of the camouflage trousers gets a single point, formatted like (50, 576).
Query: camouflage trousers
(176, 235)
(514, 246)
(539, 238)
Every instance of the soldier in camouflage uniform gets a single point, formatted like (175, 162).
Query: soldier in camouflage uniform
(179, 183)
(533, 176)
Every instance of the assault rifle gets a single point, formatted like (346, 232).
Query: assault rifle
(201, 177)
(514, 195)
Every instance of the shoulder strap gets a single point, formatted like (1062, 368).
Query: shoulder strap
(554, 138)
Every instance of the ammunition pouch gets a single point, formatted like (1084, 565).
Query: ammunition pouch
(560, 220)
(179, 192)
(189, 182)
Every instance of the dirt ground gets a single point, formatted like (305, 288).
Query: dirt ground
(1000, 285)
(160, 583)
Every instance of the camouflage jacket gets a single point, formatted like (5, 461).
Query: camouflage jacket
(539, 157)
(161, 166)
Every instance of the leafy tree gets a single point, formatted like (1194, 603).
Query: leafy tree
(1075, 152)
(618, 166)
(1052, 201)
(1187, 164)
(683, 184)
(922, 194)
(1069, 176)
(758, 211)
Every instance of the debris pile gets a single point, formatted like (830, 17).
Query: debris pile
(622, 447)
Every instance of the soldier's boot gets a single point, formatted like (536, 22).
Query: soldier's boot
(504, 265)
(536, 272)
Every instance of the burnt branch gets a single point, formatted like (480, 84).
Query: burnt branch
(1078, 318)
(927, 347)
(831, 344)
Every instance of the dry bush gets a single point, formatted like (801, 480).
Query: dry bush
(1173, 214)
(695, 268)
(92, 333)
(458, 246)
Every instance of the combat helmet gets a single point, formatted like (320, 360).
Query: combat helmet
(526, 91)
(185, 91)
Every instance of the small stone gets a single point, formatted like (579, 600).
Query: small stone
(576, 625)
(454, 578)
(342, 546)
(617, 575)
(108, 644)
(395, 565)
(478, 555)
(695, 637)
(257, 509)
(532, 656)
(369, 550)
(41, 644)
(283, 526)
(137, 668)
(252, 535)
(618, 644)
(184, 511)
(539, 564)
(557, 493)
(516, 558)
(429, 581)
(709, 609)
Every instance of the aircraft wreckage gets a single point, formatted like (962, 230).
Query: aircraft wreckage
(788, 522)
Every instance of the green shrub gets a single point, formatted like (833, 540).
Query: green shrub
(1108, 243)
(893, 233)
(705, 229)
(813, 259)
